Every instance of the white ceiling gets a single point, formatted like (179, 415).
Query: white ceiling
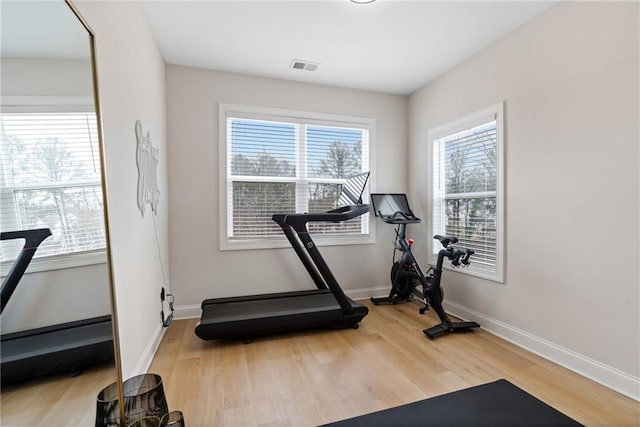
(389, 46)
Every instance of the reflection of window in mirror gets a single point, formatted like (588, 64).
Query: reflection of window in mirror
(50, 164)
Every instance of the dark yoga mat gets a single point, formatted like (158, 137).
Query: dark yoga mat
(495, 404)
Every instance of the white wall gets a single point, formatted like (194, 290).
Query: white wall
(45, 77)
(569, 80)
(131, 77)
(57, 296)
(199, 270)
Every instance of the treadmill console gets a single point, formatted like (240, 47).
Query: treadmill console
(349, 206)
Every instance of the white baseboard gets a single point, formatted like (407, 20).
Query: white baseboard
(366, 293)
(608, 376)
(187, 311)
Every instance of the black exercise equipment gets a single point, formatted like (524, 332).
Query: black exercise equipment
(32, 240)
(325, 307)
(406, 274)
(67, 348)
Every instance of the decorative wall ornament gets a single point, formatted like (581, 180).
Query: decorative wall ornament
(147, 161)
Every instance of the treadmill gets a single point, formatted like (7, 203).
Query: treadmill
(327, 306)
(67, 348)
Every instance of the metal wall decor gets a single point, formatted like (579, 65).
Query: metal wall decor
(147, 160)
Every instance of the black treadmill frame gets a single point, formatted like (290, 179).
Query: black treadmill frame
(65, 348)
(326, 306)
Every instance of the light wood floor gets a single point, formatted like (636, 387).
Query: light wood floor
(316, 377)
(311, 378)
(55, 401)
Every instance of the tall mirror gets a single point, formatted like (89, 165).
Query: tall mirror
(57, 345)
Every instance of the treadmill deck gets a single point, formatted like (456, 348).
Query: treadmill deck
(66, 348)
(245, 317)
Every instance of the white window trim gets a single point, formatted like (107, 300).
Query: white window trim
(292, 116)
(52, 104)
(47, 104)
(495, 111)
(59, 262)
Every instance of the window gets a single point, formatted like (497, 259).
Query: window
(467, 188)
(50, 177)
(279, 161)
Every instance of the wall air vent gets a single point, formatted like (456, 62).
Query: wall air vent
(304, 65)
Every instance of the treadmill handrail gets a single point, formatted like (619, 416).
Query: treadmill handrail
(32, 239)
(312, 259)
(343, 213)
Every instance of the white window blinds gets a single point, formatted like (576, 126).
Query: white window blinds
(288, 165)
(466, 189)
(50, 177)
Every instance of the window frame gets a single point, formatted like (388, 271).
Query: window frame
(52, 104)
(494, 112)
(227, 110)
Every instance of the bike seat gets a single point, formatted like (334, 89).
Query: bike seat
(446, 240)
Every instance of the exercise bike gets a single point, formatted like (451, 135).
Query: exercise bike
(407, 276)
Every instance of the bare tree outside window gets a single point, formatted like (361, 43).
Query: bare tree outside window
(51, 179)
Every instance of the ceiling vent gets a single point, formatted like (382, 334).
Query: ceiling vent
(304, 65)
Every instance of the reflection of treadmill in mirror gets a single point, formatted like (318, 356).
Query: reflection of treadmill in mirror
(324, 307)
(66, 348)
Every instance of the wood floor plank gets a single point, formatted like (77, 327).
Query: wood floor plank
(58, 400)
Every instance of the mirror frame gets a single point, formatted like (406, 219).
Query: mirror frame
(112, 290)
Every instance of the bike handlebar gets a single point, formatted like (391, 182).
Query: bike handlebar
(467, 256)
(458, 256)
(446, 240)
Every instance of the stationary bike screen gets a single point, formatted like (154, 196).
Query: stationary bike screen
(386, 205)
